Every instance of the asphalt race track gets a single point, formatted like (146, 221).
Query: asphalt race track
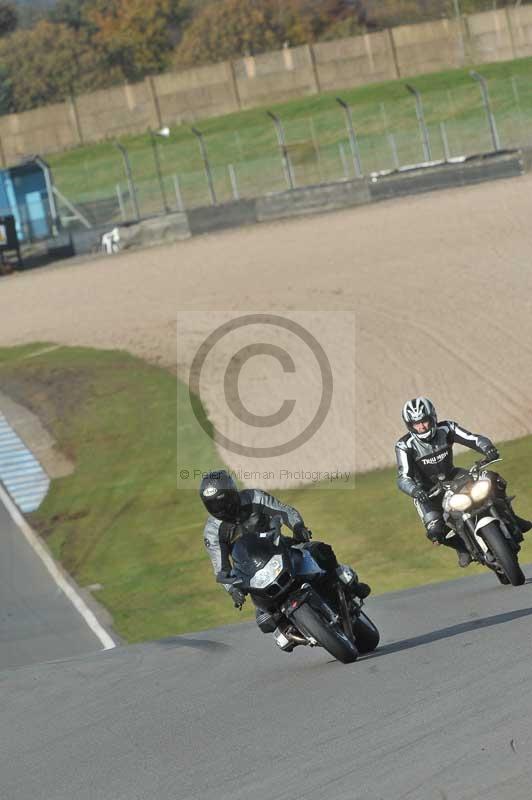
(442, 711)
(37, 621)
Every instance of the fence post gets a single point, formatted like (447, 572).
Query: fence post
(158, 171)
(343, 159)
(287, 165)
(445, 141)
(510, 30)
(206, 164)
(234, 182)
(178, 194)
(75, 118)
(427, 152)
(231, 73)
(355, 150)
(150, 83)
(315, 73)
(395, 154)
(129, 175)
(393, 49)
(481, 80)
(121, 202)
(316, 144)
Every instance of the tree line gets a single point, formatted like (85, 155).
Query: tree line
(82, 45)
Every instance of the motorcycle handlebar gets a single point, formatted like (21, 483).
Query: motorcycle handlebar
(484, 462)
(477, 466)
(228, 580)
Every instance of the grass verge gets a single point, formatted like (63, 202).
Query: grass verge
(119, 520)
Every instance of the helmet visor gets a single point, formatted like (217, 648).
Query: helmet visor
(224, 506)
(422, 426)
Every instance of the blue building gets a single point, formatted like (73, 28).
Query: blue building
(26, 192)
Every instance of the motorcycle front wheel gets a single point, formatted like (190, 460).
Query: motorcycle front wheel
(366, 634)
(506, 558)
(330, 637)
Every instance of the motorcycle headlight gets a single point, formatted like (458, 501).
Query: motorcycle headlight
(480, 490)
(267, 574)
(460, 502)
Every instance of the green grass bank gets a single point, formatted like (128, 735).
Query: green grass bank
(385, 122)
(120, 521)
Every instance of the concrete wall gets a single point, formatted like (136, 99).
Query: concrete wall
(355, 61)
(45, 130)
(429, 46)
(491, 36)
(115, 112)
(275, 77)
(521, 23)
(196, 93)
(269, 78)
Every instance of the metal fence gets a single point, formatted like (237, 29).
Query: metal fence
(184, 168)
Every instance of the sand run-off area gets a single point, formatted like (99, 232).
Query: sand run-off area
(430, 294)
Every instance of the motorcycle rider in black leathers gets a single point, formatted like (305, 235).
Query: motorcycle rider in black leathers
(233, 513)
(425, 453)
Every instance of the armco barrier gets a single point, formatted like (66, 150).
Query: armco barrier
(447, 176)
(314, 200)
(226, 215)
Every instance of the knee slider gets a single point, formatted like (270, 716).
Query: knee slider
(435, 525)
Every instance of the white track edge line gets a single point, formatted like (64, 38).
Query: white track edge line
(75, 598)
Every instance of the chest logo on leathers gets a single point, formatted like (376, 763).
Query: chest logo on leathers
(436, 459)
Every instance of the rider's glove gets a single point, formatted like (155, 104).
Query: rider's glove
(301, 534)
(491, 453)
(238, 597)
(420, 495)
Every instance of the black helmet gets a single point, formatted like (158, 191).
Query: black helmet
(420, 409)
(220, 496)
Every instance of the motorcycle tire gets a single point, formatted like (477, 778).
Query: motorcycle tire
(330, 637)
(366, 634)
(502, 551)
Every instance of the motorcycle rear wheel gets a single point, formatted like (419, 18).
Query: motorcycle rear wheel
(331, 638)
(506, 559)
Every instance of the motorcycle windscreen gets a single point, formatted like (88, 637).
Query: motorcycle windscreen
(252, 552)
(303, 565)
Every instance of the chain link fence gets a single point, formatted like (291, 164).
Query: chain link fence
(184, 168)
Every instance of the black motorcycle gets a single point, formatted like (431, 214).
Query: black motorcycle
(309, 608)
(474, 513)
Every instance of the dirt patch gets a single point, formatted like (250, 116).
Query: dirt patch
(440, 285)
(36, 437)
(34, 401)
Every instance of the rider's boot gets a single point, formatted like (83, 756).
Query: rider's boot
(522, 525)
(464, 557)
(349, 577)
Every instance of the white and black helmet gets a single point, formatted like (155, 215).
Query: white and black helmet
(420, 409)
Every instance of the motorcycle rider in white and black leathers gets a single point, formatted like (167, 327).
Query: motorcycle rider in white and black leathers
(426, 453)
(233, 513)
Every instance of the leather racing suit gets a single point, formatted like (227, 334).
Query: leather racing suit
(419, 463)
(259, 512)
